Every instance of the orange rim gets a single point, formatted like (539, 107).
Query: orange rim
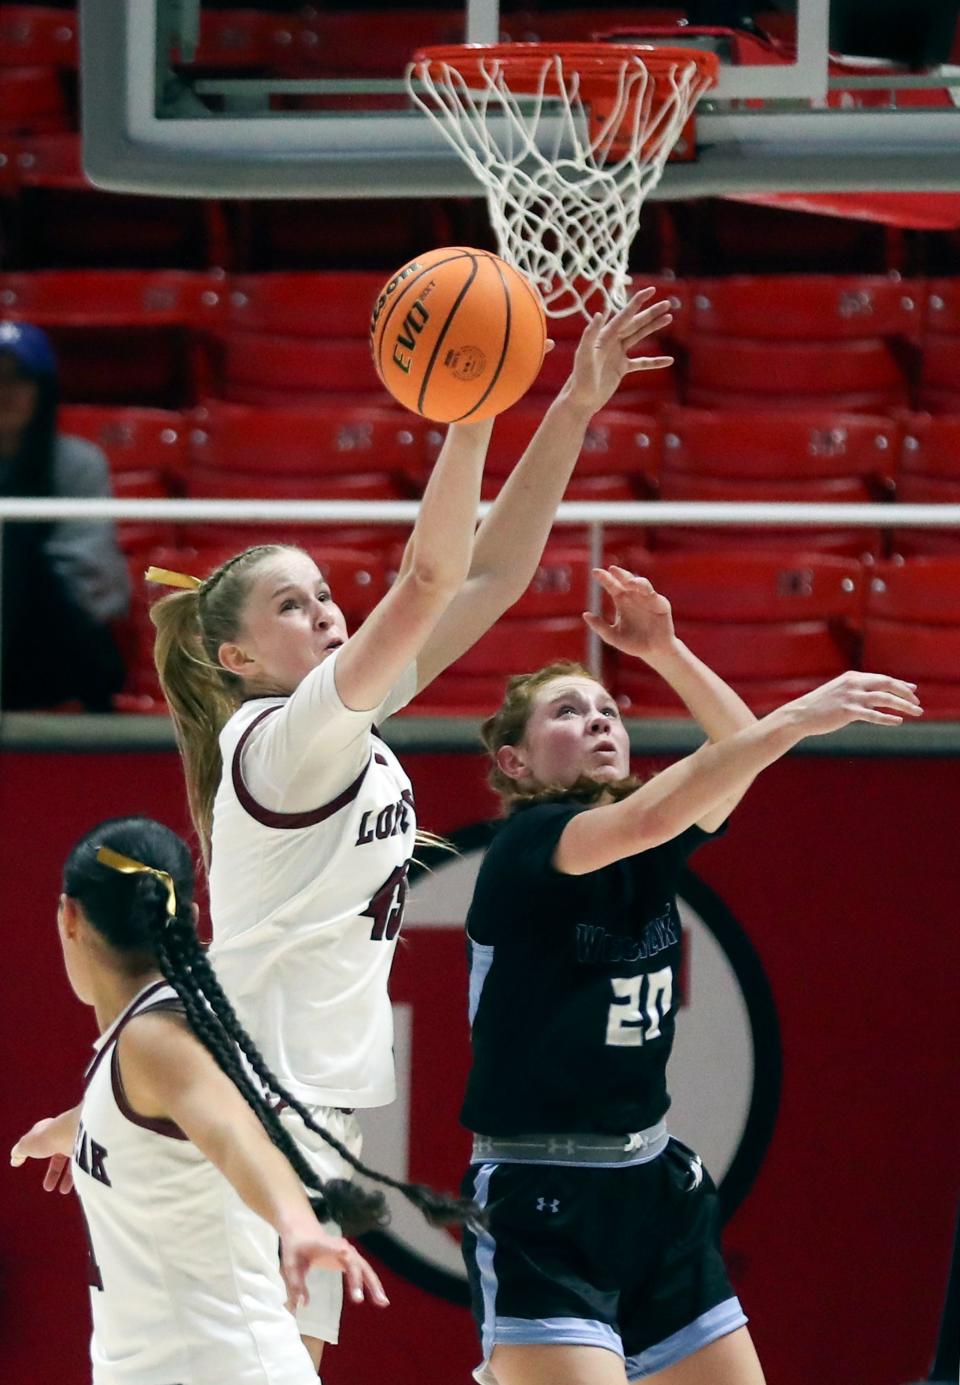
(597, 63)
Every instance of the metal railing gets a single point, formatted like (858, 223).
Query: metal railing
(594, 515)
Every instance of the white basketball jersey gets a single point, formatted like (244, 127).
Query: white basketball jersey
(184, 1290)
(307, 904)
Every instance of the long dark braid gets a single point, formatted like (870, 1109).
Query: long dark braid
(334, 1200)
(438, 1208)
(144, 911)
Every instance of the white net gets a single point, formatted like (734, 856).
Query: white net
(565, 172)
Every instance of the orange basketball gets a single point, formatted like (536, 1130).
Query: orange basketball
(457, 334)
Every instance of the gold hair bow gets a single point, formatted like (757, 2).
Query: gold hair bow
(126, 865)
(168, 578)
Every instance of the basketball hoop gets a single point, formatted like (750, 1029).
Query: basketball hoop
(567, 139)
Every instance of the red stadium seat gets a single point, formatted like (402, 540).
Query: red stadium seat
(303, 304)
(122, 336)
(138, 535)
(755, 455)
(773, 626)
(232, 39)
(474, 684)
(617, 442)
(369, 234)
(261, 369)
(939, 388)
(32, 101)
(202, 483)
(579, 24)
(222, 484)
(864, 544)
(43, 161)
(112, 297)
(732, 373)
(913, 629)
(134, 440)
(305, 442)
(766, 588)
(375, 44)
(593, 488)
(809, 448)
(383, 539)
(943, 306)
(37, 34)
(561, 586)
(929, 474)
(806, 307)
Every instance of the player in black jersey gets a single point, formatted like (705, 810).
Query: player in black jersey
(601, 1261)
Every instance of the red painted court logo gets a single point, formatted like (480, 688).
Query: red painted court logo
(724, 1074)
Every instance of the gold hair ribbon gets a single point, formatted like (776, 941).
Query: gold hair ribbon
(167, 578)
(126, 865)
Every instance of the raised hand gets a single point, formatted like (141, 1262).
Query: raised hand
(642, 623)
(872, 697)
(303, 1247)
(51, 1139)
(603, 359)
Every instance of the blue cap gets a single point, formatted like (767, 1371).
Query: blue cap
(29, 347)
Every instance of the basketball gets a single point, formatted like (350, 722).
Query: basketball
(458, 335)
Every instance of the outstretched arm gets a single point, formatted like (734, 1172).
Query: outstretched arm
(511, 539)
(435, 568)
(688, 791)
(642, 626)
(168, 1073)
(51, 1139)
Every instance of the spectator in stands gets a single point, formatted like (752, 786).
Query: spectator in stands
(65, 579)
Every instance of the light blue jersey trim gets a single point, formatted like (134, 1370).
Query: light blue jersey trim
(717, 1322)
(486, 1246)
(481, 960)
(558, 1332)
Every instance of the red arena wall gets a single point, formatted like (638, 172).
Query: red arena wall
(834, 895)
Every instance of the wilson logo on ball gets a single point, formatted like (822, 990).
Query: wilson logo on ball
(389, 288)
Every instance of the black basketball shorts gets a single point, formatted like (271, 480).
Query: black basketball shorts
(625, 1258)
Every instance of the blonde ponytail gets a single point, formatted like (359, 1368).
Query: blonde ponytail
(199, 699)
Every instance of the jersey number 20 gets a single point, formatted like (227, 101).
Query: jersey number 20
(641, 1003)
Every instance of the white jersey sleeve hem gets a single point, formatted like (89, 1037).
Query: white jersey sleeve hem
(314, 745)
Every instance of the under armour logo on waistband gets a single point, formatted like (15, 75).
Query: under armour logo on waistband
(548, 1205)
(561, 1146)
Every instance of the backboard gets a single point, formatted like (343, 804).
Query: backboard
(182, 97)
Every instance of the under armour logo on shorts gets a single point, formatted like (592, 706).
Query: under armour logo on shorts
(548, 1205)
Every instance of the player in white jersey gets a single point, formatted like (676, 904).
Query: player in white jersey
(306, 817)
(171, 1138)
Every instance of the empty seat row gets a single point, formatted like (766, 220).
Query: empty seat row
(292, 338)
(773, 625)
(358, 453)
(682, 453)
(312, 42)
(335, 304)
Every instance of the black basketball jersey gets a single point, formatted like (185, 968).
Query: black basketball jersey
(573, 983)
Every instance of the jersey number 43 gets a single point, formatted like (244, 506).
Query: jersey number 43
(386, 906)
